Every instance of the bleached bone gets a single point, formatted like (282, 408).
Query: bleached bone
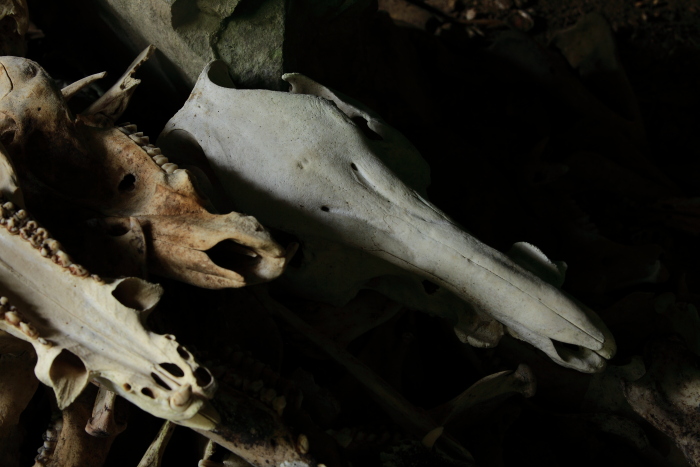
(84, 328)
(104, 422)
(154, 455)
(299, 162)
(84, 166)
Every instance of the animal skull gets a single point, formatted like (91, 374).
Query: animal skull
(84, 328)
(300, 162)
(115, 174)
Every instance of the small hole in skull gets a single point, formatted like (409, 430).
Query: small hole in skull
(173, 369)
(325, 208)
(430, 287)
(203, 376)
(159, 381)
(148, 393)
(183, 352)
(127, 387)
(128, 183)
(233, 256)
(366, 130)
(353, 166)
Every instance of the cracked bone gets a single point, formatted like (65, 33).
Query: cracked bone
(301, 164)
(85, 166)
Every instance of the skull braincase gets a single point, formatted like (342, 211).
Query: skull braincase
(97, 169)
(299, 163)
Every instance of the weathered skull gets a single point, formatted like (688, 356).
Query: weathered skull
(301, 164)
(105, 171)
(83, 328)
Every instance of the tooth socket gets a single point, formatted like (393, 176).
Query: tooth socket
(13, 318)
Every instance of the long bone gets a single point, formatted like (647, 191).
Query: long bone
(299, 162)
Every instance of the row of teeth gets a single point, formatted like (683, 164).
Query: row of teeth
(19, 222)
(11, 316)
(359, 438)
(129, 129)
(50, 438)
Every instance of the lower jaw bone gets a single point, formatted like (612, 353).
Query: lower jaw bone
(299, 164)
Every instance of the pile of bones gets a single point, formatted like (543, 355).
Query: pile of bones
(301, 165)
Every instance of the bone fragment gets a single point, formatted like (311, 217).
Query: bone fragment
(73, 88)
(74, 446)
(115, 101)
(154, 455)
(103, 423)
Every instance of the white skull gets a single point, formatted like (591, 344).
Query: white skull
(300, 164)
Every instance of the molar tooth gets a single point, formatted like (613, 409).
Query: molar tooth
(52, 244)
(78, 270)
(28, 329)
(279, 403)
(169, 167)
(62, 258)
(153, 152)
(182, 396)
(160, 160)
(123, 130)
(130, 127)
(21, 214)
(43, 341)
(138, 138)
(9, 206)
(4, 301)
(12, 225)
(44, 252)
(13, 318)
(303, 444)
